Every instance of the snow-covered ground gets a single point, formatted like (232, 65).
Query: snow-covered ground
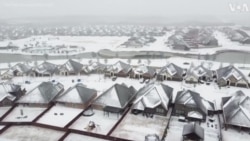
(136, 127)
(23, 114)
(174, 132)
(103, 122)
(78, 137)
(96, 43)
(232, 134)
(30, 133)
(59, 116)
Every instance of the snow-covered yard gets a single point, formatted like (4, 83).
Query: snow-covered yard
(59, 116)
(103, 122)
(136, 127)
(78, 137)
(23, 114)
(30, 133)
(174, 132)
(232, 134)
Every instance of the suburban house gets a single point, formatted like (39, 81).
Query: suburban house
(44, 69)
(120, 69)
(94, 67)
(9, 93)
(192, 106)
(9, 74)
(231, 76)
(193, 132)
(198, 73)
(42, 95)
(236, 110)
(78, 96)
(21, 69)
(170, 72)
(152, 99)
(71, 67)
(176, 42)
(115, 99)
(143, 71)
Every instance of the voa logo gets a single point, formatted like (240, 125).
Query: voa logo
(238, 7)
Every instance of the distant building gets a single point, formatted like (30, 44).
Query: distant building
(71, 67)
(44, 69)
(153, 99)
(170, 72)
(143, 71)
(194, 74)
(120, 69)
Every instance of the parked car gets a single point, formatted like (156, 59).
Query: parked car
(113, 78)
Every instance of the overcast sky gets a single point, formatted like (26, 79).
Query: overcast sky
(158, 8)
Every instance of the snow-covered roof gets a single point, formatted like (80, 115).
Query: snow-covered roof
(72, 66)
(46, 67)
(4, 92)
(142, 69)
(43, 93)
(77, 94)
(172, 69)
(199, 71)
(236, 110)
(119, 67)
(119, 95)
(192, 99)
(153, 95)
(228, 71)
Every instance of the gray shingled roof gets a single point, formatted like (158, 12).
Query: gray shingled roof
(118, 96)
(193, 99)
(85, 94)
(236, 110)
(46, 67)
(43, 93)
(153, 95)
(193, 128)
(226, 72)
(199, 71)
(72, 66)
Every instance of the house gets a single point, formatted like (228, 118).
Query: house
(118, 69)
(94, 67)
(6, 99)
(143, 71)
(170, 72)
(192, 106)
(236, 110)
(44, 69)
(195, 74)
(231, 76)
(42, 95)
(71, 67)
(193, 132)
(78, 96)
(21, 69)
(176, 42)
(7, 75)
(153, 98)
(115, 99)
